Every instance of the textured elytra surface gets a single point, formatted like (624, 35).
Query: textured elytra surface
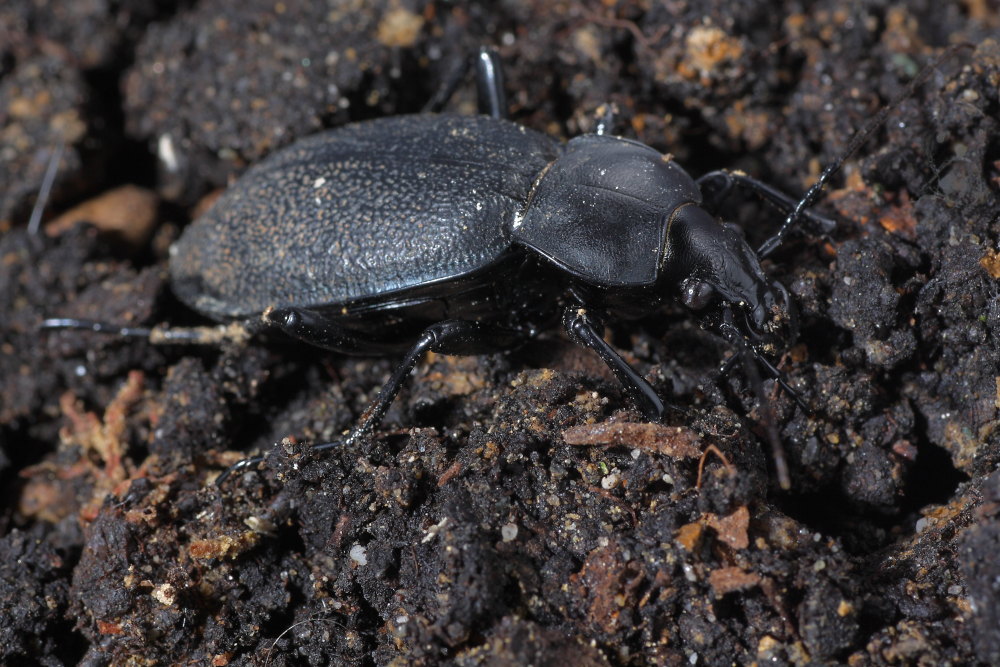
(361, 211)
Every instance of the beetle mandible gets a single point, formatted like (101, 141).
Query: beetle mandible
(470, 234)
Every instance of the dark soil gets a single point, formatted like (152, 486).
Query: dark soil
(468, 531)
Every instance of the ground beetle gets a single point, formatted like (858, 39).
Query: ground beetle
(469, 234)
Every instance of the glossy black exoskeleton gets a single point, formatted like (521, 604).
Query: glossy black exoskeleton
(465, 235)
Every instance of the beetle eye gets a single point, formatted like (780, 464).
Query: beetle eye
(696, 294)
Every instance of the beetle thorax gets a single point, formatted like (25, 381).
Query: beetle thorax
(600, 211)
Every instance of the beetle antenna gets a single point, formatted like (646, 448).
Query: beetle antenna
(857, 141)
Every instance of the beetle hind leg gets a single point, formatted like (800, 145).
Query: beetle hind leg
(330, 332)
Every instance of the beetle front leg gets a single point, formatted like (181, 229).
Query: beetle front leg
(583, 330)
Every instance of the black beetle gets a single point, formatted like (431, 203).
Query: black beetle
(465, 235)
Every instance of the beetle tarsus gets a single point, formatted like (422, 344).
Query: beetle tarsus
(250, 461)
(93, 325)
(768, 421)
(782, 380)
(235, 332)
(749, 356)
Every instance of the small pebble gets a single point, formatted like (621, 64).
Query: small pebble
(359, 554)
(509, 532)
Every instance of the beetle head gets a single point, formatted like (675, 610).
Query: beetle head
(720, 278)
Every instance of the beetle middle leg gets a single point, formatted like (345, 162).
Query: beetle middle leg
(460, 337)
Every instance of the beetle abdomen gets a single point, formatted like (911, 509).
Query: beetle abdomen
(361, 211)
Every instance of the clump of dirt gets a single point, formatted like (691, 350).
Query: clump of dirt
(511, 509)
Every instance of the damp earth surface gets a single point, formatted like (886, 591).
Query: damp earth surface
(513, 508)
